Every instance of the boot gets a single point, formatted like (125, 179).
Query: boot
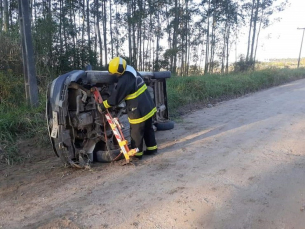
(150, 152)
(138, 155)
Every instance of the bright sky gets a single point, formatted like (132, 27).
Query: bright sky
(284, 38)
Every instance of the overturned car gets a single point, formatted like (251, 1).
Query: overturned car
(79, 133)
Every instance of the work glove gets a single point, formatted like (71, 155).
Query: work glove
(101, 108)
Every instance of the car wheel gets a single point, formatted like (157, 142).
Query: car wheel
(168, 125)
(162, 75)
(108, 156)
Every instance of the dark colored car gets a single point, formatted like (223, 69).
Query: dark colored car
(79, 133)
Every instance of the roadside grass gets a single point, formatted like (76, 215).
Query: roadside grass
(18, 121)
(207, 89)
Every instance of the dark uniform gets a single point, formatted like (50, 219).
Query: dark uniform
(140, 109)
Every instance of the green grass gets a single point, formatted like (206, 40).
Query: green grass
(17, 119)
(21, 123)
(210, 88)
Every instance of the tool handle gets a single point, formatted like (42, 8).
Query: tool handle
(97, 96)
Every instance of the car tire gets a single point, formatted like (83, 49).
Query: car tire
(168, 125)
(108, 156)
(162, 75)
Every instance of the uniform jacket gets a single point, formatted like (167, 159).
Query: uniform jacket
(133, 89)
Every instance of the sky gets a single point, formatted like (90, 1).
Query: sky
(282, 39)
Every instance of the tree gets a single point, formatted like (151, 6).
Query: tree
(261, 10)
(5, 16)
(28, 54)
(178, 35)
(1, 15)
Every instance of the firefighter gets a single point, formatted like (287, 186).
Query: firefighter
(140, 106)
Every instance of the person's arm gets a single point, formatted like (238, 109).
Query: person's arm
(124, 87)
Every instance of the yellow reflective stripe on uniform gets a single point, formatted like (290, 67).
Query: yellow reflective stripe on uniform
(139, 120)
(137, 93)
(139, 154)
(151, 147)
(106, 105)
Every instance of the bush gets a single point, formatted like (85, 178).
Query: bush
(10, 53)
(17, 120)
(20, 123)
(213, 88)
(11, 90)
(243, 65)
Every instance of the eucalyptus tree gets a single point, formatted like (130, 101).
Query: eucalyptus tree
(176, 35)
(261, 11)
(1, 15)
(153, 28)
(97, 13)
(43, 30)
(229, 26)
(5, 16)
(207, 48)
(104, 23)
(264, 17)
(173, 14)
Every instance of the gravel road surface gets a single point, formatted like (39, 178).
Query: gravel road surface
(238, 164)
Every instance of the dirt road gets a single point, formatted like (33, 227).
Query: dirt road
(239, 164)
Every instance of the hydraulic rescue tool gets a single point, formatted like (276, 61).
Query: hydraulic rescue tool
(115, 127)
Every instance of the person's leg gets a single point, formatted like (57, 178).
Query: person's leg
(137, 134)
(149, 138)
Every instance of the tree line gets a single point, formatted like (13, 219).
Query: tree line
(183, 36)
